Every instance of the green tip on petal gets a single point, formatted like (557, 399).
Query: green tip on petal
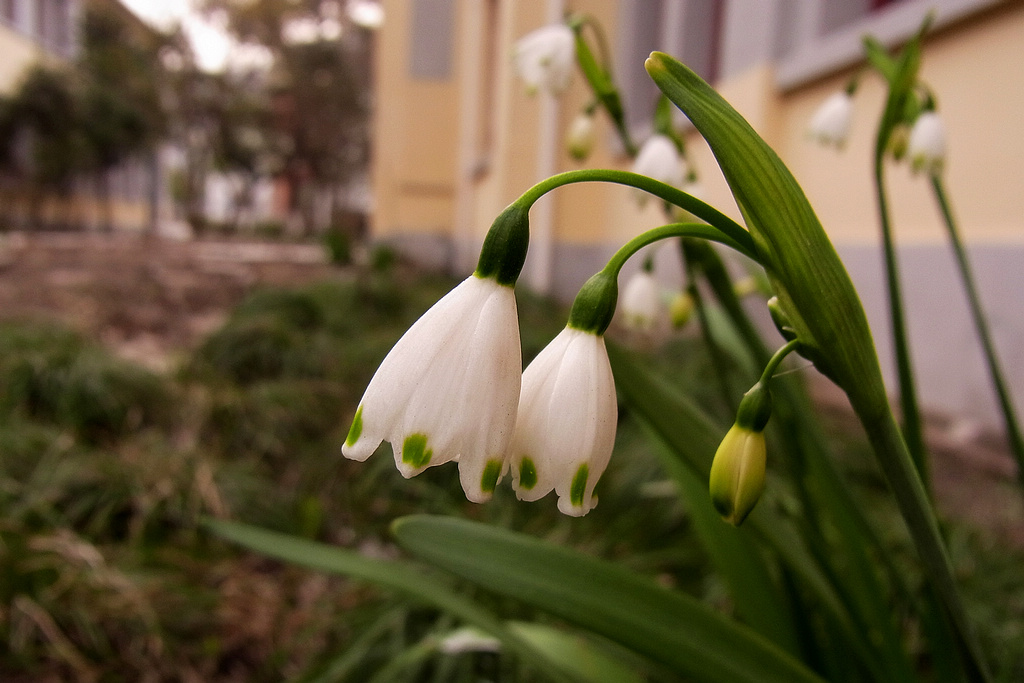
(527, 474)
(579, 485)
(489, 479)
(415, 452)
(356, 429)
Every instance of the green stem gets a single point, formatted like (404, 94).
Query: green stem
(718, 360)
(728, 231)
(777, 357)
(697, 230)
(896, 462)
(1013, 432)
(912, 427)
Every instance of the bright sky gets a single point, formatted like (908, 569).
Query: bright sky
(210, 42)
(214, 47)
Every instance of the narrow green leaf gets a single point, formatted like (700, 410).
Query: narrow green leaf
(388, 574)
(576, 654)
(806, 274)
(879, 58)
(816, 293)
(672, 629)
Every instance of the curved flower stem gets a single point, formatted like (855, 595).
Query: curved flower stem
(604, 54)
(724, 229)
(698, 230)
(1013, 432)
(912, 428)
(777, 357)
(598, 75)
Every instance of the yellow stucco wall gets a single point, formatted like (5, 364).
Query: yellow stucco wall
(975, 69)
(18, 53)
(423, 168)
(415, 137)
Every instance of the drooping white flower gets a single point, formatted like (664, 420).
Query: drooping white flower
(566, 425)
(927, 144)
(580, 138)
(830, 125)
(544, 58)
(468, 639)
(659, 159)
(448, 390)
(641, 304)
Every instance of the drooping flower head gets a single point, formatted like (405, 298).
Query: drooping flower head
(659, 158)
(544, 58)
(927, 144)
(567, 408)
(830, 124)
(580, 138)
(641, 307)
(449, 388)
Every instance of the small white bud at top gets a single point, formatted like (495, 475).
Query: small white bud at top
(830, 125)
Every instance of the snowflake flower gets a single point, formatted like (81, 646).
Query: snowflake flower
(448, 390)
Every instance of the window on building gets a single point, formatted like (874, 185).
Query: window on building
(689, 30)
(432, 43)
(817, 37)
(8, 11)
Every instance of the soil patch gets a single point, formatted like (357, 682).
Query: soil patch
(144, 297)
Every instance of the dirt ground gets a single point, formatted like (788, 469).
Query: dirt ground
(148, 298)
(144, 297)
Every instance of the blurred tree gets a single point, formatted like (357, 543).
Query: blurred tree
(122, 113)
(85, 118)
(319, 93)
(43, 144)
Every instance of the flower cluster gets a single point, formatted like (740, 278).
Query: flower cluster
(451, 390)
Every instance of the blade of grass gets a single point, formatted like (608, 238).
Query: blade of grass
(388, 574)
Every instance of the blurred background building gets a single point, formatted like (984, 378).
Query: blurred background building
(53, 175)
(457, 138)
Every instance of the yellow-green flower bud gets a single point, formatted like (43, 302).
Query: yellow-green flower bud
(745, 287)
(680, 309)
(737, 473)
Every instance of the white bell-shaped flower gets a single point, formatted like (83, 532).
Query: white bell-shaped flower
(545, 58)
(448, 390)
(830, 125)
(926, 147)
(659, 159)
(566, 425)
(641, 305)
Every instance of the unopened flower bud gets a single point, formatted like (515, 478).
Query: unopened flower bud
(738, 470)
(641, 305)
(737, 473)
(580, 139)
(680, 309)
